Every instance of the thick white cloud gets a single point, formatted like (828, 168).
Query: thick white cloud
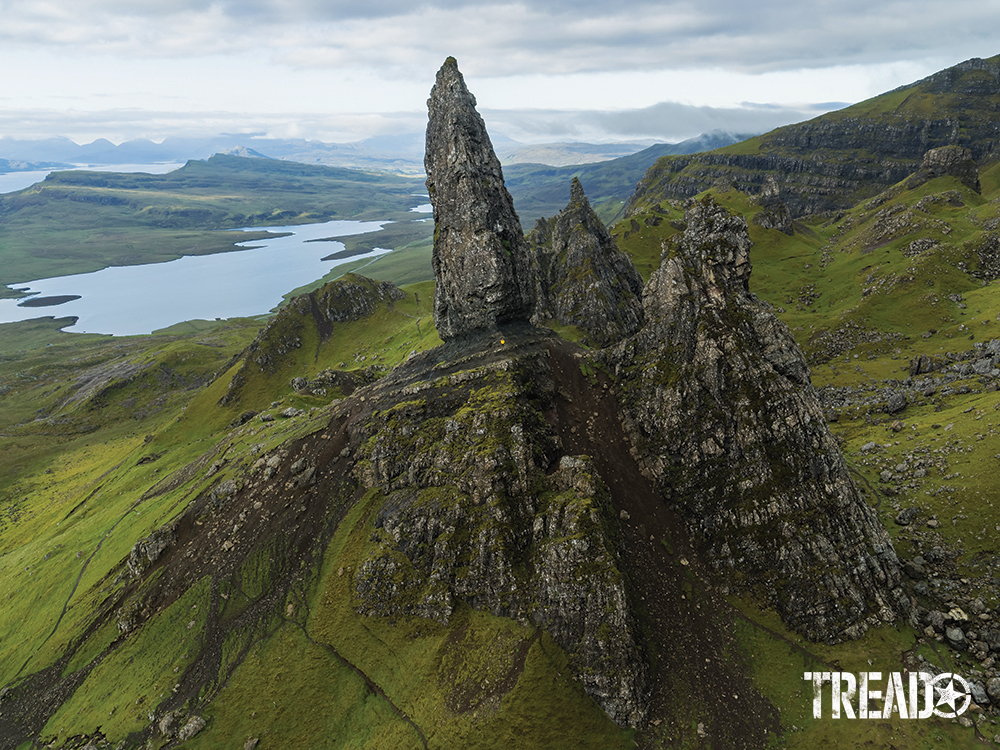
(268, 57)
(516, 37)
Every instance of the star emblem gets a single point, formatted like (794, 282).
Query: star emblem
(947, 695)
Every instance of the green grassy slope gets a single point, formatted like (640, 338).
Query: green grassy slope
(91, 468)
(836, 160)
(81, 493)
(103, 441)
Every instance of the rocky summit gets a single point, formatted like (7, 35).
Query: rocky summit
(581, 276)
(481, 269)
(513, 475)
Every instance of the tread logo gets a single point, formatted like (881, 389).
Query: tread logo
(946, 695)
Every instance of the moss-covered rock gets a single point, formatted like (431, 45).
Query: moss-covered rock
(480, 508)
(718, 400)
(581, 277)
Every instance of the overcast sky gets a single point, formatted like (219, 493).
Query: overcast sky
(339, 70)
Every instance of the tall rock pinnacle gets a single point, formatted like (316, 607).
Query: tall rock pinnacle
(480, 259)
(582, 278)
(717, 391)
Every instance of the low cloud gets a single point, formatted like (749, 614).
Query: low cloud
(664, 122)
(668, 122)
(120, 125)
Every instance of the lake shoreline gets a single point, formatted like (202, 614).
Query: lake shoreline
(248, 281)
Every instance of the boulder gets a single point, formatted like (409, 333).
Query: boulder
(147, 551)
(194, 725)
(956, 637)
(993, 690)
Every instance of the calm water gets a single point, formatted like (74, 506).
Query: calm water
(128, 300)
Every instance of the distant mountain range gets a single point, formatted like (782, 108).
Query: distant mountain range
(400, 153)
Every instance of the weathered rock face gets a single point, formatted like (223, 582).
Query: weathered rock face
(481, 268)
(148, 550)
(719, 406)
(581, 276)
(347, 299)
(479, 506)
(775, 214)
(476, 501)
(948, 160)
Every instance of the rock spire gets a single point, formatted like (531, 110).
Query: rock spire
(717, 394)
(582, 278)
(481, 268)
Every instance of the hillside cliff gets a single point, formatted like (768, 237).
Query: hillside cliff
(834, 161)
(308, 316)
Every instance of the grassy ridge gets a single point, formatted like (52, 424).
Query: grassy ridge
(841, 158)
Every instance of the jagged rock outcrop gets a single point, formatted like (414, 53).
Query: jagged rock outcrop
(341, 382)
(719, 406)
(948, 160)
(987, 250)
(775, 214)
(147, 551)
(481, 267)
(477, 502)
(349, 298)
(479, 506)
(581, 276)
